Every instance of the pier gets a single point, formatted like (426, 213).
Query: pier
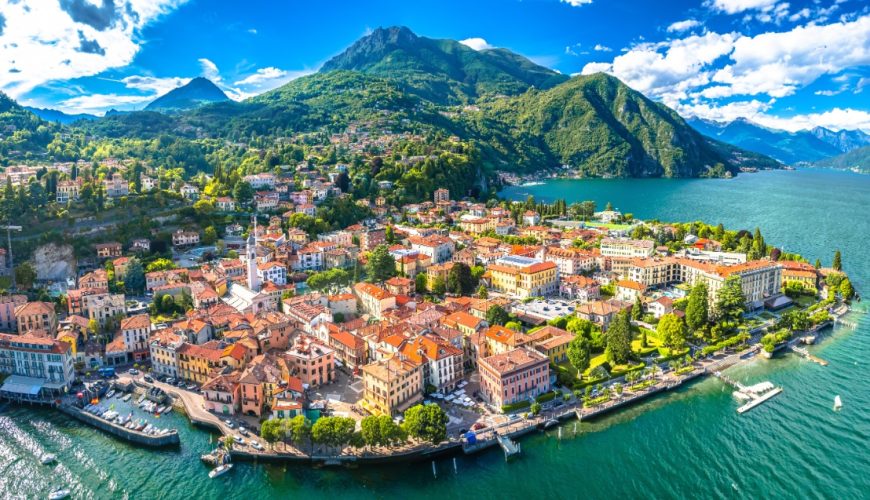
(756, 394)
(806, 354)
(170, 439)
(510, 448)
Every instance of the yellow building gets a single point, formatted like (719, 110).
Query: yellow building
(391, 386)
(523, 277)
(195, 362)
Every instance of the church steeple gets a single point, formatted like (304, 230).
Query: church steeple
(251, 247)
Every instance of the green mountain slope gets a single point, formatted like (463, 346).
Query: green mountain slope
(195, 93)
(23, 135)
(857, 159)
(442, 71)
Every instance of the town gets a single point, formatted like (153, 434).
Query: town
(413, 325)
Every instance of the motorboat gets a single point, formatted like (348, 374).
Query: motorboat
(48, 459)
(220, 470)
(110, 394)
(838, 403)
(58, 494)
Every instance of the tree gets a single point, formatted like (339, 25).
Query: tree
(381, 265)
(391, 433)
(243, 193)
(25, 275)
(818, 264)
(697, 315)
(672, 331)
(459, 279)
(420, 282)
(160, 265)
(535, 408)
(618, 338)
(426, 422)
(333, 431)
(439, 287)
(578, 353)
(229, 441)
(371, 430)
(637, 309)
(167, 304)
(389, 235)
(203, 208)
(496, 315)
(272, 431)
(482, 292)
(838, 261)
(298, 428)
(730, 302)
(846, 289)
(209, 236)
(134, 279)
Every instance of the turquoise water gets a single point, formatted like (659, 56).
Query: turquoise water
(691, 443)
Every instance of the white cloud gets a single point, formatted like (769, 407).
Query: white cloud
(154, 85)
(834, 119)
(476, 43)
(797, 16)
(602, 48)
(736, 6)
(209, 70)
(577, 3)
(96, 103)
(252, 31)
(46, 41)
(680, 26)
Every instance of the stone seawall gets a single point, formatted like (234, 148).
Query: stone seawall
(119, 431)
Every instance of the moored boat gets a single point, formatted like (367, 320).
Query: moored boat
(220, 470)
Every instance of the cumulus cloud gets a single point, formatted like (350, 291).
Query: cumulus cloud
(680, 26)
(209, 70)
(95, 103)
(49, 41)
(834, 119)
(577, 3)
(736, 6)
(476, 43)
(694, 74)
(601, 48)
(153, 85)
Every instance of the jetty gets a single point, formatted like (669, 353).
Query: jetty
(755, 394)
(511, 448)
(806, 354)
(131, 435)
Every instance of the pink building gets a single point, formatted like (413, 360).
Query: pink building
(8, 303)
(516, 375)
(311, 361)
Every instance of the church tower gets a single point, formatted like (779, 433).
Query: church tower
(253, 279)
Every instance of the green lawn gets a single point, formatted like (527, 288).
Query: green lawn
(805, 301)
(615, 227)
(595, 362)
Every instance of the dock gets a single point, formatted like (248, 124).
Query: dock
(806, 353)
(511, 448)
(758, 400)
(756, 394)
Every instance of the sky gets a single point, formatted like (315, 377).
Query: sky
(790, 64)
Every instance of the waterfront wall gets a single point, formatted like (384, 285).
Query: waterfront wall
(121, 432)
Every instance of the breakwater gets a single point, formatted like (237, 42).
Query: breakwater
(133, 436)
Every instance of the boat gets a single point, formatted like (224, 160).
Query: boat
(141, 398)
(58, 494)
(220, 470)
(48, 459)
(838, 403)
(110, 394)
(126, 397)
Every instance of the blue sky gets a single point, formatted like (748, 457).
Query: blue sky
(786, 64)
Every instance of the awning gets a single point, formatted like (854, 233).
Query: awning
(17, 384)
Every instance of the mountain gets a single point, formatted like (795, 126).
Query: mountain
(856, 159)
(54, 115)
(788, 147)
(442, 71)
(509, 113)
(600, 126)
(844, 140)
(195, 93)
(23, 132)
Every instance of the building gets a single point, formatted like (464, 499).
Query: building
(36, 316)
(109, 250)
(570, 260)
(517, 375)
(116, 186)
(272, 271)
(8, 305)
(400, 286)
(221, 394)
(36, 367)
(523, 277)
(553, 343)
(196, 362)
(623, 247)
(441, 195)
(311, 362)
(629, 291)
(580, 288)
(442, 362)
(373, 299)
(68, 191)
(182, 238)
(261, 380)
(163, 347)
(135, 331)
(391, 386)
(103, 307)
(438, 248)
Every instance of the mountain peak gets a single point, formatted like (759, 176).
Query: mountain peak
(194, 93)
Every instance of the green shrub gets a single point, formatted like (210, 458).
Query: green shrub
(519, 405)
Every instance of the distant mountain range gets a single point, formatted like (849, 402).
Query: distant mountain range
(519, 116)
(195, 93)
(856, 159)
(54, 115)
(788, 147)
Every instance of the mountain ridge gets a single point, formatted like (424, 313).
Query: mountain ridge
(193, 94)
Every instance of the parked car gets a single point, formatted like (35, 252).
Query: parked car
(170, 380)
(243, 431)
(148, 378)
(230, 423)
(240, 440)
(257, 446)
(133, 371)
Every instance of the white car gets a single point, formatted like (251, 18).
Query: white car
(240, 440)
(229, 423)
(257, 446)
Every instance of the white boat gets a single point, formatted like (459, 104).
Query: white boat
(110, 394)
(48, 459)
(127, 397)
(58, 494)
(222, 469)
(141, 398)
(838, 403)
